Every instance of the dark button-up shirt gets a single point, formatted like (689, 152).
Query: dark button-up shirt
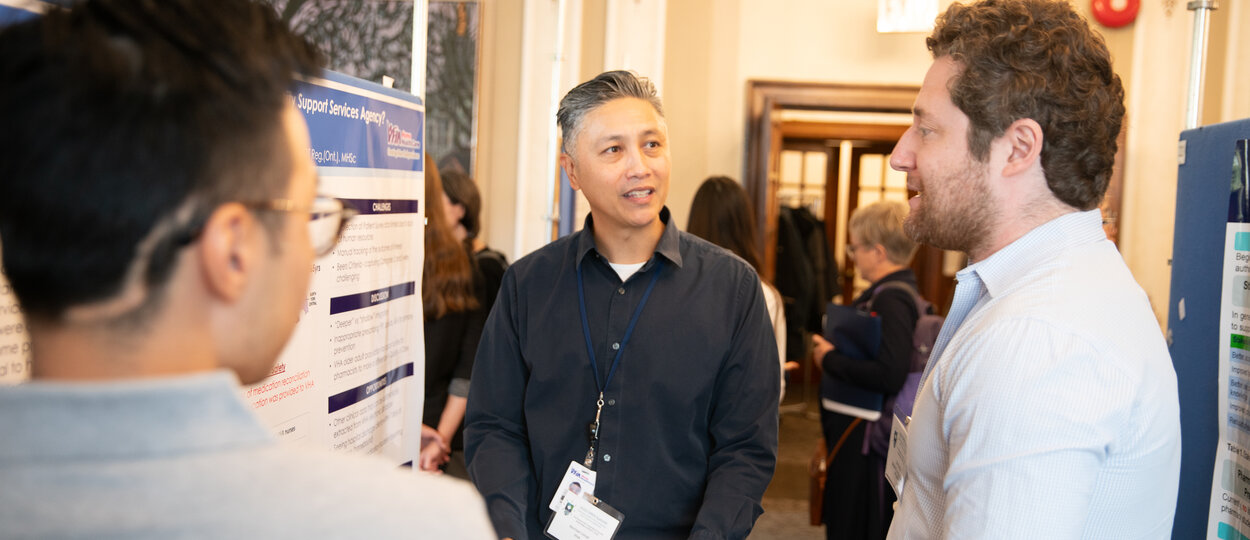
(688, 440)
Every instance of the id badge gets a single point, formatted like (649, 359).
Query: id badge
(578, 481)
(896, 459)
(584, 518)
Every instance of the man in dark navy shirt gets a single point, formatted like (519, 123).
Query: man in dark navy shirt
(631, 350)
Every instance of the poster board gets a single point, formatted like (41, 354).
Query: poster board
(1201, 336)
(352, 377)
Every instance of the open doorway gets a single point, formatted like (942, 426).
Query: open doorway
(815, 153)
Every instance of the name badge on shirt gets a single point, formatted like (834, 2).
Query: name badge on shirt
(584, 518)
(896, 459)
(578, 481)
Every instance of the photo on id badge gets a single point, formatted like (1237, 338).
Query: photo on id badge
(578, 481)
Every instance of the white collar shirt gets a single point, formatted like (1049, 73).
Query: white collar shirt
(1049, 409)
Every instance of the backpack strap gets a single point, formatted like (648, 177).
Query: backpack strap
(922, 306)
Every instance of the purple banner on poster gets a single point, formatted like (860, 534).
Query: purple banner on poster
(350, 397)
(341, 304)
(383, 206)
(350, 130)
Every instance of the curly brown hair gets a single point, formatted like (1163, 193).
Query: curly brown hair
(1037, 59)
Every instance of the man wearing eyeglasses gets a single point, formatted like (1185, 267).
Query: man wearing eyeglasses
(159, 218)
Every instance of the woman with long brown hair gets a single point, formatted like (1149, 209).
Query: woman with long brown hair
(453, 327)
(721, 214)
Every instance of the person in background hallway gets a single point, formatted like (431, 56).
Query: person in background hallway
(160, 218)
(857, 501)
(463, 205)
(670, 398)
(1049, 405)
(721, 214)
(451, 293)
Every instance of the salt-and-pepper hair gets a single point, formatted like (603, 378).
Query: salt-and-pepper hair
(589, 95)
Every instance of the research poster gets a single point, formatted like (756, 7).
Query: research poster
(352, 377)
(1230, 489)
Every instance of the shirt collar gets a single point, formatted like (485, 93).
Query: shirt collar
(1041, 244)
(669, 246)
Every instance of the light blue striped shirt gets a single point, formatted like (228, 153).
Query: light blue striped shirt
(186, 457)
(1052, 409)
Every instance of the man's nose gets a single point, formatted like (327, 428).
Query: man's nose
(636, 164)
(902, 158)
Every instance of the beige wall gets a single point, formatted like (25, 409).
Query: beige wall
(715, 47)
(1156, 104)
(498, 121)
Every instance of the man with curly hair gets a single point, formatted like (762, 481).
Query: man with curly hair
(1049, 407)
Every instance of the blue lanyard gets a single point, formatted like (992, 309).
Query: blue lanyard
(629, 330)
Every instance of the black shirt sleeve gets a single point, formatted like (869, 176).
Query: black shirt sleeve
(743, 426)
(497, 451)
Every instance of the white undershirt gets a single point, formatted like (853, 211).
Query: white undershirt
(626, 270)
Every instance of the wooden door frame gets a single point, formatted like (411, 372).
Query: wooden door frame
(766, 96)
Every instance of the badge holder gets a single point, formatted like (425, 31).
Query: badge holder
(896, 459)
(584, 518)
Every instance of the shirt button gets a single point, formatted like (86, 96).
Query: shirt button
(607, 457)
(620, 290)
(616, 346)
(611, 402)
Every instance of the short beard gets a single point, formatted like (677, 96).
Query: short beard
(957, 216)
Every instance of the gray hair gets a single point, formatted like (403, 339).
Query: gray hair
(589, 95)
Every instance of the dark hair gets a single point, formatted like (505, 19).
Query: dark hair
(447, 278)
(721, 214)
(131, 121)
(588, 96)
(462, 190)
(1037, 59)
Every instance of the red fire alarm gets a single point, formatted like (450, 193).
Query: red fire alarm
(1112, 17)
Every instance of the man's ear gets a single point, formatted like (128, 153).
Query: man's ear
(229, 249)
(566, 163)
(1024, 139)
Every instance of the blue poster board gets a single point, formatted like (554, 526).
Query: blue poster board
(1202, 203)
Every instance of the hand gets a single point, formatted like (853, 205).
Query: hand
(820, 348)
(434, 450)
